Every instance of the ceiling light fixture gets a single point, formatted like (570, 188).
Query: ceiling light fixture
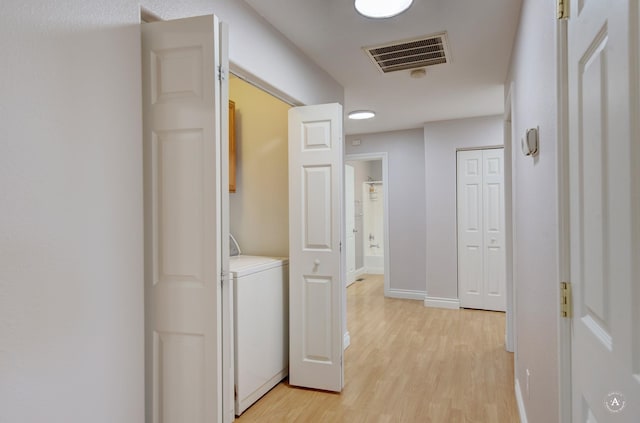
(380, 9)
(361, 114)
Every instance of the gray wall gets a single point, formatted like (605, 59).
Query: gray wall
(442, 140)
(71, 232)
(535, 210)
(406, 187)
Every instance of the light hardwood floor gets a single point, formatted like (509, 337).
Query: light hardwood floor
(407, 363)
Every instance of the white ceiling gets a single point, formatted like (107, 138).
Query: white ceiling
(480, 36)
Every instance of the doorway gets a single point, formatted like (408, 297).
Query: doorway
(259, 226)
(370, 227)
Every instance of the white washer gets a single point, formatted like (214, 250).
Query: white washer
(261, 311)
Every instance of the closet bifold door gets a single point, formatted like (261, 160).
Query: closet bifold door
(480, 203)
(183, 179)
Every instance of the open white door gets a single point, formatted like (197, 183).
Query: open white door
(182, 169)
(604, 211)
(315, 247)
(350, 221)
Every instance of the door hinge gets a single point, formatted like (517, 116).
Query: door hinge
(222, 73)
(566, 300)
(563, 9)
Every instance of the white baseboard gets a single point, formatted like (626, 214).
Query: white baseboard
(520, 401)
(356, 275)
(405, 294)
(437, 302)
(375, 270)
(243, 403)
(346, 340)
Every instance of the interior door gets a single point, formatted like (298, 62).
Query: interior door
(481, 255)
(315, 246)
(604, 210)
(470, 234)
(181, 141)
(494, 258)
(350, 221)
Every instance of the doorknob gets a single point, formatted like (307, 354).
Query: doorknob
(355, 230)
(316, 262)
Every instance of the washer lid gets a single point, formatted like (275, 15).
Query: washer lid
(246, 265)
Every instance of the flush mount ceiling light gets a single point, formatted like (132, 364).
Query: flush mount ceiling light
(380, 9)
(361, 114)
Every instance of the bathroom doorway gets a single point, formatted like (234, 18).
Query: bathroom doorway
(366, 197)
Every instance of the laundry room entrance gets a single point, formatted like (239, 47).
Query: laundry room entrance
(259, 239)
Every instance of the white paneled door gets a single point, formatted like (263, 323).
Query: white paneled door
(315, 247)
(182, 169)
(604, 184)
(350, 220)
(481, 254)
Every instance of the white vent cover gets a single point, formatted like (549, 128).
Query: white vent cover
(410, 54)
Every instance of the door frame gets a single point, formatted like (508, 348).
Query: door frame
(565, 410)
(510, 333)
(351, 276)
(383, 156)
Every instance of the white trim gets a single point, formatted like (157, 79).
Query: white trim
(520, 401)
(245, 403)
(261, 84)
(346, 340)
(509, 337)
(356, 275)
(406, 294)
(374, 270)
(564, 239)
(385, 220)
(439, 302)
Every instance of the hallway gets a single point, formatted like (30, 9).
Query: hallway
(408, 363)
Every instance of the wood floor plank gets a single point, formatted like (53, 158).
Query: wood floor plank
(407, 363)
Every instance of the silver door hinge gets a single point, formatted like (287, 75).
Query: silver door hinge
(222, 73)
(566, 300)
(563, 9)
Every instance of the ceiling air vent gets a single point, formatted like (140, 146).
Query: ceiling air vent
(410, 54)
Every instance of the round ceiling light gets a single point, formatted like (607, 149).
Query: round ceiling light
(361, 114)
(380, 9)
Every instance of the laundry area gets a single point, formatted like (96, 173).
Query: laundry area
(259, 240)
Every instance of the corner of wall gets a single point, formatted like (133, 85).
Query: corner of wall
(520, 401)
